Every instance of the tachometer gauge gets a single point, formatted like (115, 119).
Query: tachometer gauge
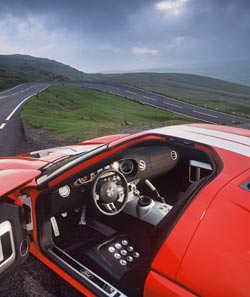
(64, 191)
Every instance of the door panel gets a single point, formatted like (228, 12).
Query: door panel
(14, 243)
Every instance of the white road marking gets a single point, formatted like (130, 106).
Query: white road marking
(206, 114)
(16, 108)
(174, 105)
(1, 97)
(130, 92)
(2, 126)
(11, 89)
(153, 99)
(116, 88)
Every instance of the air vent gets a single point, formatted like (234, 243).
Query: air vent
(174, 155)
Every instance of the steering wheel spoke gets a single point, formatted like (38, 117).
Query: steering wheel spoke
(110, 192)
(110, 207)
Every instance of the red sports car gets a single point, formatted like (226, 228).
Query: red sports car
(164, 212)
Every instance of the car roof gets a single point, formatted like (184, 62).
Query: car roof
(234, 140)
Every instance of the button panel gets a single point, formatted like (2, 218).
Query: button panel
(124, 242)
(165, 208)
(123, 252)
(117, 256)
(111, 249)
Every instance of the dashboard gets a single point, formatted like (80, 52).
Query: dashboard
(139, 165)
(146, 162)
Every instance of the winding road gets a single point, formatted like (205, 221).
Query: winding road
(12, 141)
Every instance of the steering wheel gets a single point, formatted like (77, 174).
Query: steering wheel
(110, 192)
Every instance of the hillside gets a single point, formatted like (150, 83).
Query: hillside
(16, 69)
(199, 90)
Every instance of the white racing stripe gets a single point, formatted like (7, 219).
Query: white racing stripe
(206, 114)
(189, 133)
(218, 134)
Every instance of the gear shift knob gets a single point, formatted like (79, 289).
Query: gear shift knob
(144, 204)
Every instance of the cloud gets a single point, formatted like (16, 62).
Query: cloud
(171, 7)
(142, 51)
(95, 35)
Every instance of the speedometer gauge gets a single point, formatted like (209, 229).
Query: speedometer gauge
(64, 191)
(126, 167)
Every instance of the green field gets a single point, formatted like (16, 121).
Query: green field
(77, 113)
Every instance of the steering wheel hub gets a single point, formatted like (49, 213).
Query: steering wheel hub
(109, 192)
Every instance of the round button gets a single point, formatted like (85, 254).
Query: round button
(130, 248)
(123, 262)
(130, 259)
(118, 246)
(117, 256)
(124, 242)
(124, 252)
(111, 249)
(136, 254)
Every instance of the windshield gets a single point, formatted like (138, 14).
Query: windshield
(67, 163)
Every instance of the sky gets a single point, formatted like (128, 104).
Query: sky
(127, 35)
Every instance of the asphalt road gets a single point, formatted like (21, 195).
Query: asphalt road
(12, 141)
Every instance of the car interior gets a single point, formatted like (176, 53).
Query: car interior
(106, 225)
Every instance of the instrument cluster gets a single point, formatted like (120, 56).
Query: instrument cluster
(125, 166)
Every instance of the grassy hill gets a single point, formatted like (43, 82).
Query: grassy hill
(17, 69)
(199, 90)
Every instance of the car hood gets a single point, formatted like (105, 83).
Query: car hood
(17, 171)
(12, 179)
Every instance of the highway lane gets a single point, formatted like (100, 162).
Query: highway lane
(12, 139)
